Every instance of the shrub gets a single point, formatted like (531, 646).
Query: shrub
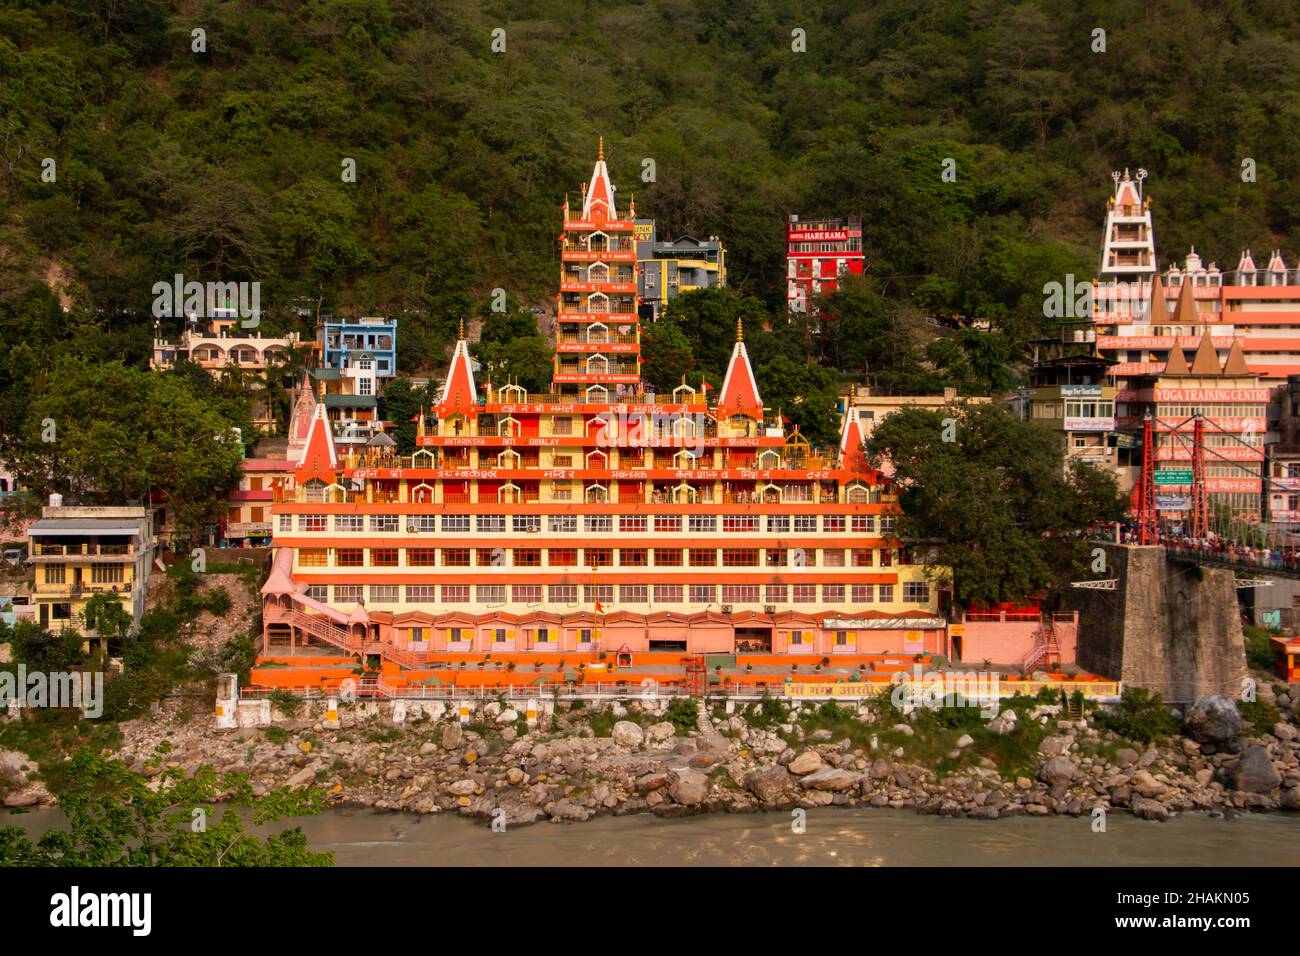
(682, 713)
(1139, 716)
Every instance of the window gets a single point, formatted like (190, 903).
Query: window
(313, 557)
(425, 522)
(703, 594)
(805, 523)
(562, 557)
(455, 594)
(490, 593)
(703, 557)
(886, 594)
(740, 594)
(597, 523)
(421, 594)
(632, 523)
(604, 593)
(347, 593)
(318, 592)
(777, 557)
(311, 522)
(702, 524)
(863, 524)
(862, 557)
(887, 523)
(739, 523)
(349, 523)
(383, 557)
(633, 593)
(864, 593)
(562, 426)
(886, 558)
(491, 523)
(833, 523)
(421, 557)
(564, 593)
(383, 593)
(668, 557)
(632, 557)
(455, 523)
(490, 557)
(385, 523)
(668, 522)
(833, 593)
(775, 594)
(528, 558)
(833, 557)
(779, 524)
(527, 594)
(668, 594)
(349, 557)
(805, 594)
(916, 592)
(527, 524)
(598, 557)
(455, 557)
(740, 557)
(285, 524)
(107, 574)
(562, 523)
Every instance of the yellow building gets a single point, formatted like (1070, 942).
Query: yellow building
(81, 551)
(867, 406)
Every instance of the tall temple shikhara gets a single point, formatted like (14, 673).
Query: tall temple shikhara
(597, 516)
(598, 352)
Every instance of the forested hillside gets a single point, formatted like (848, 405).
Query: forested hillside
(226, 163)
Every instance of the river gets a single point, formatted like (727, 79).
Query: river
(857, 837)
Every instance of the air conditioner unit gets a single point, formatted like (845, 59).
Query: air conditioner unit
(410, 527)
(726, 609)
(769, 608)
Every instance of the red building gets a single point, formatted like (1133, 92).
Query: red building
(818, 252)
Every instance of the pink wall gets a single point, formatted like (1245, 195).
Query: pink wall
(999, 642)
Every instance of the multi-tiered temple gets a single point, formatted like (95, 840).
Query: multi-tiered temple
(596, 515)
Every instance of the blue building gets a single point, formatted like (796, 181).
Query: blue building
(369, 342)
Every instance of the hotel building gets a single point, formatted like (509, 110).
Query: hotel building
(817, 253)
(594, 516)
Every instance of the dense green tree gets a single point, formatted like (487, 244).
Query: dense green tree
(116, 817)
(992, 496)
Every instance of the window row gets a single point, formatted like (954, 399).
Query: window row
(913, 592)
(592, 524)
(601, 557)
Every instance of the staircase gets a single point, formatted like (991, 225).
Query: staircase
(1046, 648)
(337, 636)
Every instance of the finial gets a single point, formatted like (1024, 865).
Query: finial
(740, 331)
(461, 334)
(600, 154)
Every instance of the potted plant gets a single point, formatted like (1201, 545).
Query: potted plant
(749, 668)
(825, 662)
(510, 666)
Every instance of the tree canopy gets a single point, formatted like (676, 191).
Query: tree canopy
(992, 498)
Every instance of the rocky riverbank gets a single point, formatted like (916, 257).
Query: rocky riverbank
(648, 756)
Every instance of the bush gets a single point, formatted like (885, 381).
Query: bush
(682, 714)
(1139, 716)
(277, 735)
(1261, 715)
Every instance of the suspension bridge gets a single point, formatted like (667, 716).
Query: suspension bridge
(1216, 499)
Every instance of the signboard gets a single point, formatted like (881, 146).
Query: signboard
(1174, 477)
(856, 689)
(1125, 440)
(1081, 391)
(1173, 503)
(1089, 424)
